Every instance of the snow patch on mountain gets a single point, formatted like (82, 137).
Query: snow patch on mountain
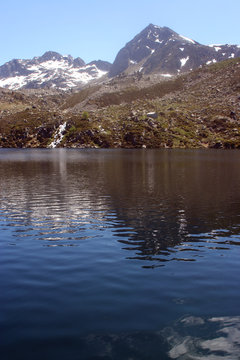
(13, 83)
(184, 60)
(152, 50)
(211, 62)
(217, 47)
(187, 39)
(69, 76)
(51, 64)
(167, 75)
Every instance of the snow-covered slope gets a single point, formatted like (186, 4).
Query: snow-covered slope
(50, 70)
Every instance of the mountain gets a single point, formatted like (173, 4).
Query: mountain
(161, 50)
(155, 50)
(51, 70)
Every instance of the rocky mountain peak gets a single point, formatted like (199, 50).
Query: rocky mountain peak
(153, 31)
(101, 65)
(143, 45)
(78, 62)
(49, 55)
(162, 50)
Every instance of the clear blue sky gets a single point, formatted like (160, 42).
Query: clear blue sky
(98, 29)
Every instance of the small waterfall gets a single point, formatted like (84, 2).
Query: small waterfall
(58, 136)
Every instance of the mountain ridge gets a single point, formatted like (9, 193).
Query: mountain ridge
(50, 70)
(155, 50)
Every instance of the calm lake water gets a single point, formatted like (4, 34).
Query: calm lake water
(119, 254)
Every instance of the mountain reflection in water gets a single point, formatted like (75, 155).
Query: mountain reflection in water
(176, 198)
(159, 204)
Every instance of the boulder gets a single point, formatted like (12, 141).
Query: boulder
(152, 115)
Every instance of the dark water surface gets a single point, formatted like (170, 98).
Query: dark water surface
(119, 254)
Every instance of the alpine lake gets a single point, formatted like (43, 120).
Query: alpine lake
(119, 254)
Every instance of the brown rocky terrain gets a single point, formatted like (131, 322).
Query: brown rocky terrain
(197, 109)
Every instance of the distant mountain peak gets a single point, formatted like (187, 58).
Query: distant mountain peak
(50, 55)
(50, 70)
(162, 50)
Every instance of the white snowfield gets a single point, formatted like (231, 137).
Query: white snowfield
(184, 60)
(167, 75)
(13, 83)
(54, 70)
